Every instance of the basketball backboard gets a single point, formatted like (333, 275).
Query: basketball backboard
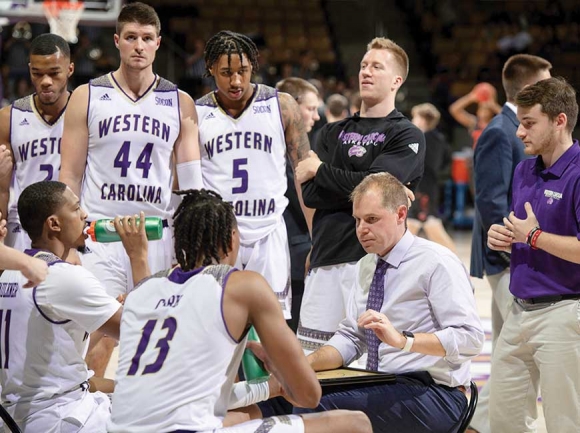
(96, 12)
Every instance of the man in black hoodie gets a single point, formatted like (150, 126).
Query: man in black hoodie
(377, 139)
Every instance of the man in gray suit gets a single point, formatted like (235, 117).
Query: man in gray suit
(497, 153)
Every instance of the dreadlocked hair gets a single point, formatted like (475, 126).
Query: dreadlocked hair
(203, 225)
(228, 42)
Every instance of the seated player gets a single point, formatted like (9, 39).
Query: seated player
(45, 381)
(184, 331)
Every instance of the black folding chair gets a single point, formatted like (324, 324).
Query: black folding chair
(470, 410)
(8, 421)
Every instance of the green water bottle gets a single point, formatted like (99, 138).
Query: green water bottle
(252, 367)
(104, 230)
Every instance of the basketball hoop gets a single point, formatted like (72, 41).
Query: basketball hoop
(63, 17)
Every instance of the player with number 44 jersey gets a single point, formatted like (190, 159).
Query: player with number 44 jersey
(123, 135)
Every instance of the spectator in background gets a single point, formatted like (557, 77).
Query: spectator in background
(424, 213)
(484, 96)
(85, 56)
(15, 59)
(355, 101)
(195, 83)
(336, 108)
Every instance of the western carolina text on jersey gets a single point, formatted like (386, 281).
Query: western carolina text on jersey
(134, 123)
(39, 147)
(238, 140)
(259, 207)
(122, 192)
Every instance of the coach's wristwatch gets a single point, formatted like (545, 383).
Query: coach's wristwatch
(410, 340)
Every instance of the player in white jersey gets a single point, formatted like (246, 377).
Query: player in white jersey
(184, 330)
(245, 132)
(122, 135)
(32, 127)
(45, 381)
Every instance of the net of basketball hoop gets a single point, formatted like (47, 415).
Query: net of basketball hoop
(63, 17)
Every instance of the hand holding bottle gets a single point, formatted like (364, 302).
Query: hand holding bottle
(131, 230)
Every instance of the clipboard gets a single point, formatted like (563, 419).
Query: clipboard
(352, 376)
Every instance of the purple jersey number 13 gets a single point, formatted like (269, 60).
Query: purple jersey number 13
(163, 345)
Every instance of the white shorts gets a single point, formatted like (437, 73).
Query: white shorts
(16, 237)
(326, 292)
(73, 412)
(275, 424)
(270, 257)
(111, 265)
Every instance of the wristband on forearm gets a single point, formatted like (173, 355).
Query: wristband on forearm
(244, 394)
(189, 175)
(533, 236)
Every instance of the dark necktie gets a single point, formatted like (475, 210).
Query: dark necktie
(375, 302)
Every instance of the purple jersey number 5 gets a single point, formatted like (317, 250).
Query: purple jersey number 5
(240, 173)
(163, 345)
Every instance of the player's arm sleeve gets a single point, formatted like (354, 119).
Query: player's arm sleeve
(186, 148)
(244, 394)
(73, 293)
(493, 176)
(403, 158)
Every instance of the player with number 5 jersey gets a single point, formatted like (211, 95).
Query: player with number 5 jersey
(32, 127)
(246, 130)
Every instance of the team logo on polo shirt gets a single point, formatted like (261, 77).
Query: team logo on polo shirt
(552, 195)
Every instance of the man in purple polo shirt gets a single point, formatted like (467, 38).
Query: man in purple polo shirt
(539, 345)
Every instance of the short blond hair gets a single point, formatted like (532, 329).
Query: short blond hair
(296, 87)
(398, 53)
(392, 191)
(428, 112)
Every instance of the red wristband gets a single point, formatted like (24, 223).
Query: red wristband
(535, 237)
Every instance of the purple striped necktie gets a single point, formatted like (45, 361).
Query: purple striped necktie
(375, 302)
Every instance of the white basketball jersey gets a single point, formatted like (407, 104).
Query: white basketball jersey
(177, 359)
(42, 353)
(35, 145)
(129, 161)
(244, 160)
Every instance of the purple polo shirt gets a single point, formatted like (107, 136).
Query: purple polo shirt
(554, 194)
